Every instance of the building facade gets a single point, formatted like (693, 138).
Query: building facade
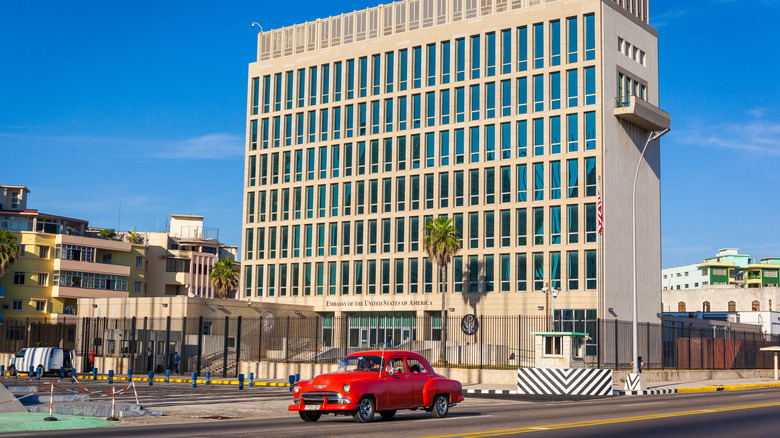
(62, 260)
(508, 117)
(727, 267)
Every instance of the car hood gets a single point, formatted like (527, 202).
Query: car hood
(337, 379)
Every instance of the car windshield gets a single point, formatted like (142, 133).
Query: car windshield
(361, 363)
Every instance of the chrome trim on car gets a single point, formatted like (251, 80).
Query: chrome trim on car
(318, 398)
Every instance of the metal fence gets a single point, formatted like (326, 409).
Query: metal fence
(16, 334)
(499, 342)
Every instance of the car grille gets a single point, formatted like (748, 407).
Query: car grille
(318, 397)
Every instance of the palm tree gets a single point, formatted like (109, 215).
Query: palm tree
(441, 243)
(134, 237)
(10, 250)
(224, 278)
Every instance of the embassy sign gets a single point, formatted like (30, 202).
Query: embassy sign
(379, 303)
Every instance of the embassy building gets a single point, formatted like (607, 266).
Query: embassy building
(513, 117)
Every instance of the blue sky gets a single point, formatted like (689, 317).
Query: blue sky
(144, 103)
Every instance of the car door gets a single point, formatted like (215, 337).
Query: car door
(400, 389)
(420, 376)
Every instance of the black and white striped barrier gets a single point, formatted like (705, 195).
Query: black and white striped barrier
(647, 392)
(564, 381)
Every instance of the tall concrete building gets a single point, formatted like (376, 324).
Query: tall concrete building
(508, 116)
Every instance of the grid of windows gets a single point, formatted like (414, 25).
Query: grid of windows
(378, 168)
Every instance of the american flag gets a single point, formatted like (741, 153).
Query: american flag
(599, 215)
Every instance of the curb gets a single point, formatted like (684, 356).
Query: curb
(491, 391)
(199, 381)
(646, 392)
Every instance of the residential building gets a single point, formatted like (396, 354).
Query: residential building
(62, 260)
(509, 117)
(180, 260)
(728, 267)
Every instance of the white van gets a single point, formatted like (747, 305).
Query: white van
(46, 359)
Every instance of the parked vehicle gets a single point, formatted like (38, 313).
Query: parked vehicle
(42, 359)
(372, 382)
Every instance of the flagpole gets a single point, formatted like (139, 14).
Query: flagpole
(600, 259)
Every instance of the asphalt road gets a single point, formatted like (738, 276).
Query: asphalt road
(747, 413)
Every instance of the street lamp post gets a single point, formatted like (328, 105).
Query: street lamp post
(654, 135)
(552, 291)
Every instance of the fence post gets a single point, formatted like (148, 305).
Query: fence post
(598, 343)
(167, 348)
(316, 338)
(27, 332)
(287, 342)
(132, 343)
(690, 358)
(238, 344)
(200, 341)
(183, 345)
(145, 349)
(648, 342)
(481, 343)
(225, 347)
(616, 344)
(260, 341)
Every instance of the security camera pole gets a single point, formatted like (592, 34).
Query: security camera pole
(554, 292)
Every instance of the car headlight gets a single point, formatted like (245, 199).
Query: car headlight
(296, 388)
(346, 388)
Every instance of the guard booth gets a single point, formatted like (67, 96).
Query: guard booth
(560, 368)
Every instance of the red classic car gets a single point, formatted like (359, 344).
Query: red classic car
(376, 381)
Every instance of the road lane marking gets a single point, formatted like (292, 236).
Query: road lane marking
(751, 395)
(644, 404)
(488, 433)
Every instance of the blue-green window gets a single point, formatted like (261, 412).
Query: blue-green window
(399, 235)
(538, 213)
(416, 110)
(373, 235)
(259, 286)
(571, 24)
(475, 56)
(473, 192)
(322, 204)
(445, 62)
(334, 158)
(288, 130)
(400, 196)
(460, 59)
(572, 214)
(574, 177)
(402, 112)
(490, 100)
(320, 277)
(337, 123)
(572, 132)
(555, 43)
(475, 102)
(389, 64)
(590, 85)
(386, 276)
(374, 156)
(414, 273)
(506, 51)
(490, 188)
(506, 188)
(474, 135)
(266, 93)
(555, 90)
(348, 159)
(358, 277)
(590, 269)
(350, 120)
(590, 223)
(590, 131)
(538, 45)
(539, 93)
(414, 233)
(416, 151)
(431, 64)
(324, 124)
(522, 95)
(430, 150)
(312, 85)
(506, 141)
(590, 37)
(401, 146)
(555, 180)
(538, 137)
(253, 135)
(522, 183)
(299, 129)
(264, 129)
(361, 161)
(506, 98)
(444, 145)
(429, 191)
(460, 104)
(571, 85)
(430, 108)
(459, 146)
(363, 76)
(522, 275)
(522, 138)
(278, 92)
(386, 233)
(417, 67)
(278, 130)
(490, 142)
(325, 82)
(573, 270)
(555, 269)
(590, 176)
(375, 117)
(445, 107)
(388, 115)
(376, 74)
(337, 67)
(491, 54)
(350, 79)
(388, 154)
(301, 87)
(403, 69)
(489, 272)
(474, 232)
(538, 181)
(522, 48)
(555, 135)
(362, 118)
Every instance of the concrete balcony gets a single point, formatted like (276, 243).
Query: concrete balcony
(78, 292)
(114, 245)
(95, 268)
(642, 113)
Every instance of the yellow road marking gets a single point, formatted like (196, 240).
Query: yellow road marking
(488, 433)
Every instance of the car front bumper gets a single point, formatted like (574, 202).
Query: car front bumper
(318, 402)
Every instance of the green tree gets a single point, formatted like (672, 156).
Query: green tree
(441, 243)
(224, 278)
(107, 233)
(134, 237)
(10, 250)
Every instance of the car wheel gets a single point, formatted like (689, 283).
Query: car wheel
(387, 414)
(12, 370)
(441, 406)
(309, 417)
(365, 410)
